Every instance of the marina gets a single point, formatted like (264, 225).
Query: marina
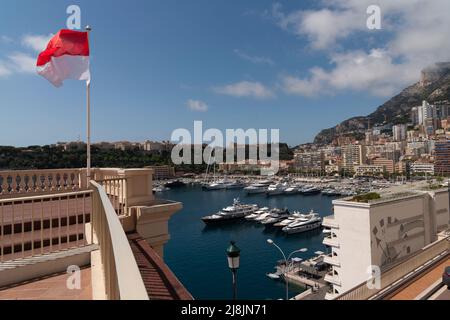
(196, 250)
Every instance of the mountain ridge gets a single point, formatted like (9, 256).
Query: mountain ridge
(434, 87)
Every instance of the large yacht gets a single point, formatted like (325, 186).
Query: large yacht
(259, 187)
(310, 190)
(257, 213)
(275, 216)
(292, 190)
(217, 185)
(314, 222)
(235, 185)
(236, 211)
(275, 189)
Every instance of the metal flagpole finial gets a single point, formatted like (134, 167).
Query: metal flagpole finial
(88, 28)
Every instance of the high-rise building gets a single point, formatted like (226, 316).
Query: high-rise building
(399, 132)
(442, 157)
(313, 160)
(353, 155)
(414, 116)
(426, 111)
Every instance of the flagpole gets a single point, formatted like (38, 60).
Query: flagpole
(88, 124)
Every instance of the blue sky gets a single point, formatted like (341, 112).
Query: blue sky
(299, 66)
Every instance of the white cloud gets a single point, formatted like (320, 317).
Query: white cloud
(4, 70)
(17, 62)
(417, 33)
(6, 39)
(36, 42)
(322, 27)
(22, 62)
(253, 59)
(245, 89)
(197, 105)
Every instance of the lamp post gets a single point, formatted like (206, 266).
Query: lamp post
(233, 254)
(286, 262)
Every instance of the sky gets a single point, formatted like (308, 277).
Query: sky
(297, 66)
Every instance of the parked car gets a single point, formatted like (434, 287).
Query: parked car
(446, 277)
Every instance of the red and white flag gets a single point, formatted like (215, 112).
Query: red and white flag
(66, 57)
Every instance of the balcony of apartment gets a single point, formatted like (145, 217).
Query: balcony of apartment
(330, 222)
(106, 235)
(332, 260)
(332, 278)
(331, 241)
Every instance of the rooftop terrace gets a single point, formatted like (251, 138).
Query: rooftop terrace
(111, 227)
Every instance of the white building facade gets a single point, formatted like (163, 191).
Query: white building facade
(381, 232)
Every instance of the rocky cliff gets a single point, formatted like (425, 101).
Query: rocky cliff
(434, 86)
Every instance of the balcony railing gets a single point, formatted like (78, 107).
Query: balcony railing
(35, 225)
(116, 191)
(332, 278)
(35, 182)
(122, 277)
(332, 260)
(330, 222)
(400, 270)
(331, 242)
(46, 212)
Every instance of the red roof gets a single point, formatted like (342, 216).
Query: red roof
(159, 280)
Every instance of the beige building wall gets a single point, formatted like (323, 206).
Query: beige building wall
(384, 232)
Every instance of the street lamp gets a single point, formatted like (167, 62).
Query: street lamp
(233, 254)
(286, 263)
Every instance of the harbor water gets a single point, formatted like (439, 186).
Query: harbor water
(196, 252)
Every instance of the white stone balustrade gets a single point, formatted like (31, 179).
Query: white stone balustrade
(36, 182)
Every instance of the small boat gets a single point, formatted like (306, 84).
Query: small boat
(160, 189)
(236, 211)
(326, 231)
(273, 276)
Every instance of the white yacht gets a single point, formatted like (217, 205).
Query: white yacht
(275, 189)
(275, 216)
(291, 190)
(262, 216)
(298, 226)
(257, 213)
(217, 185)
(234, 185)
(259, 187)
(236, 211)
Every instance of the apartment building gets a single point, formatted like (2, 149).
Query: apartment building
(162, 172)
(382, 232)
(399, 132)
(313, 160)
(353, 155)
(369, 170)
(422, 168)
(442, 157)
(387, 164)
